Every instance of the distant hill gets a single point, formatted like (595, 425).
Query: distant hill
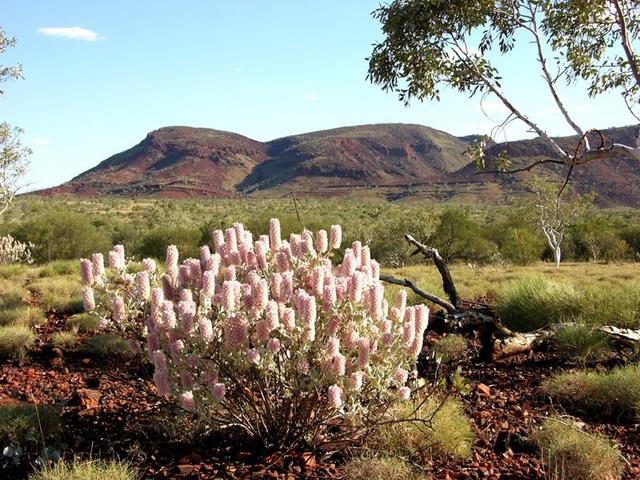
(393, 161)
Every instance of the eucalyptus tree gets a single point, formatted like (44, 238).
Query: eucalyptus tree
(429, 45)
(14, 156)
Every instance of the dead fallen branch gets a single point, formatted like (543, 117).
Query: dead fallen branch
(404, 282)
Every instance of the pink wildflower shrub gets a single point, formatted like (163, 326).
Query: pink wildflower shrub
(267, 335)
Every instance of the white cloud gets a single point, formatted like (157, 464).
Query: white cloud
(75, 33)
(234, 69)
(40, 141)
(312, 97)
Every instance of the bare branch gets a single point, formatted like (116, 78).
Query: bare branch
(404, 282)
(523, 169)
(547, 76)
(468, 61)
(626, 44)
(447, 281)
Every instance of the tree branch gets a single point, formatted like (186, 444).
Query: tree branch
(496, 91)
(418, 291)
(447, 281)
(547, 76)
(522, 169)
(626, 45)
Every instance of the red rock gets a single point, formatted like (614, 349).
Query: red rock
(87, 398)
(482, 388)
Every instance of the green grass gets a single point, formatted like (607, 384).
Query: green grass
(536, 302)
(22, 315)
(15, 341)
(64, 340)
(58, 268)
(62, 294)
(615, 394)
(569, 453)
(581, 343)
(379, 468)
(446, 432)
(82, 323)
(28, 425)
(109, 345)
(13, 271)
(85, 470)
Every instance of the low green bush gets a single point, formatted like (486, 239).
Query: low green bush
(109, 345)
(85, 470)
(535, 302)
(569, 453)
(613, 394)
(582, 343)
(15, 341)
(62, 237)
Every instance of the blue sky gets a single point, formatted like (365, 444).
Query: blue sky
(262, 69)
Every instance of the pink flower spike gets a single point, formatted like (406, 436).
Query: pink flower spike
(97, 261)
(288, 318)
(205, 329)
(230, 273)
(187, 401)
(355, 380)
(335, 237)
(333, 346)
(176, 349)
(253, 356)
(161, 380)
(148, 265)
(118, 309)
(307, 244)
(282, 261)
(208, 283)
(338, 365)
(273, 345)
(171, 260)
(86, 270)
(143, 287)
(364, 348)
(88, 299)
(404, 393)
(218, 239)
(335, 394)
(387, 339)
(350, 339)
(322, 242)
(218, 392)
(230, 239)
(168, 314)
(260, 249)
(401, 375)
(274, 234)
(329, 296)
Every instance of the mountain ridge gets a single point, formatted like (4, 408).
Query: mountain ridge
(391, 160)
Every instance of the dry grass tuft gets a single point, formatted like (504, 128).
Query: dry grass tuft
(84, 470)
(446, 432)
(569, 453)
(615, 394)
(15, 341)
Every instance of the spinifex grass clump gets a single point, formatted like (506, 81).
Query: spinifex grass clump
(267, 336)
